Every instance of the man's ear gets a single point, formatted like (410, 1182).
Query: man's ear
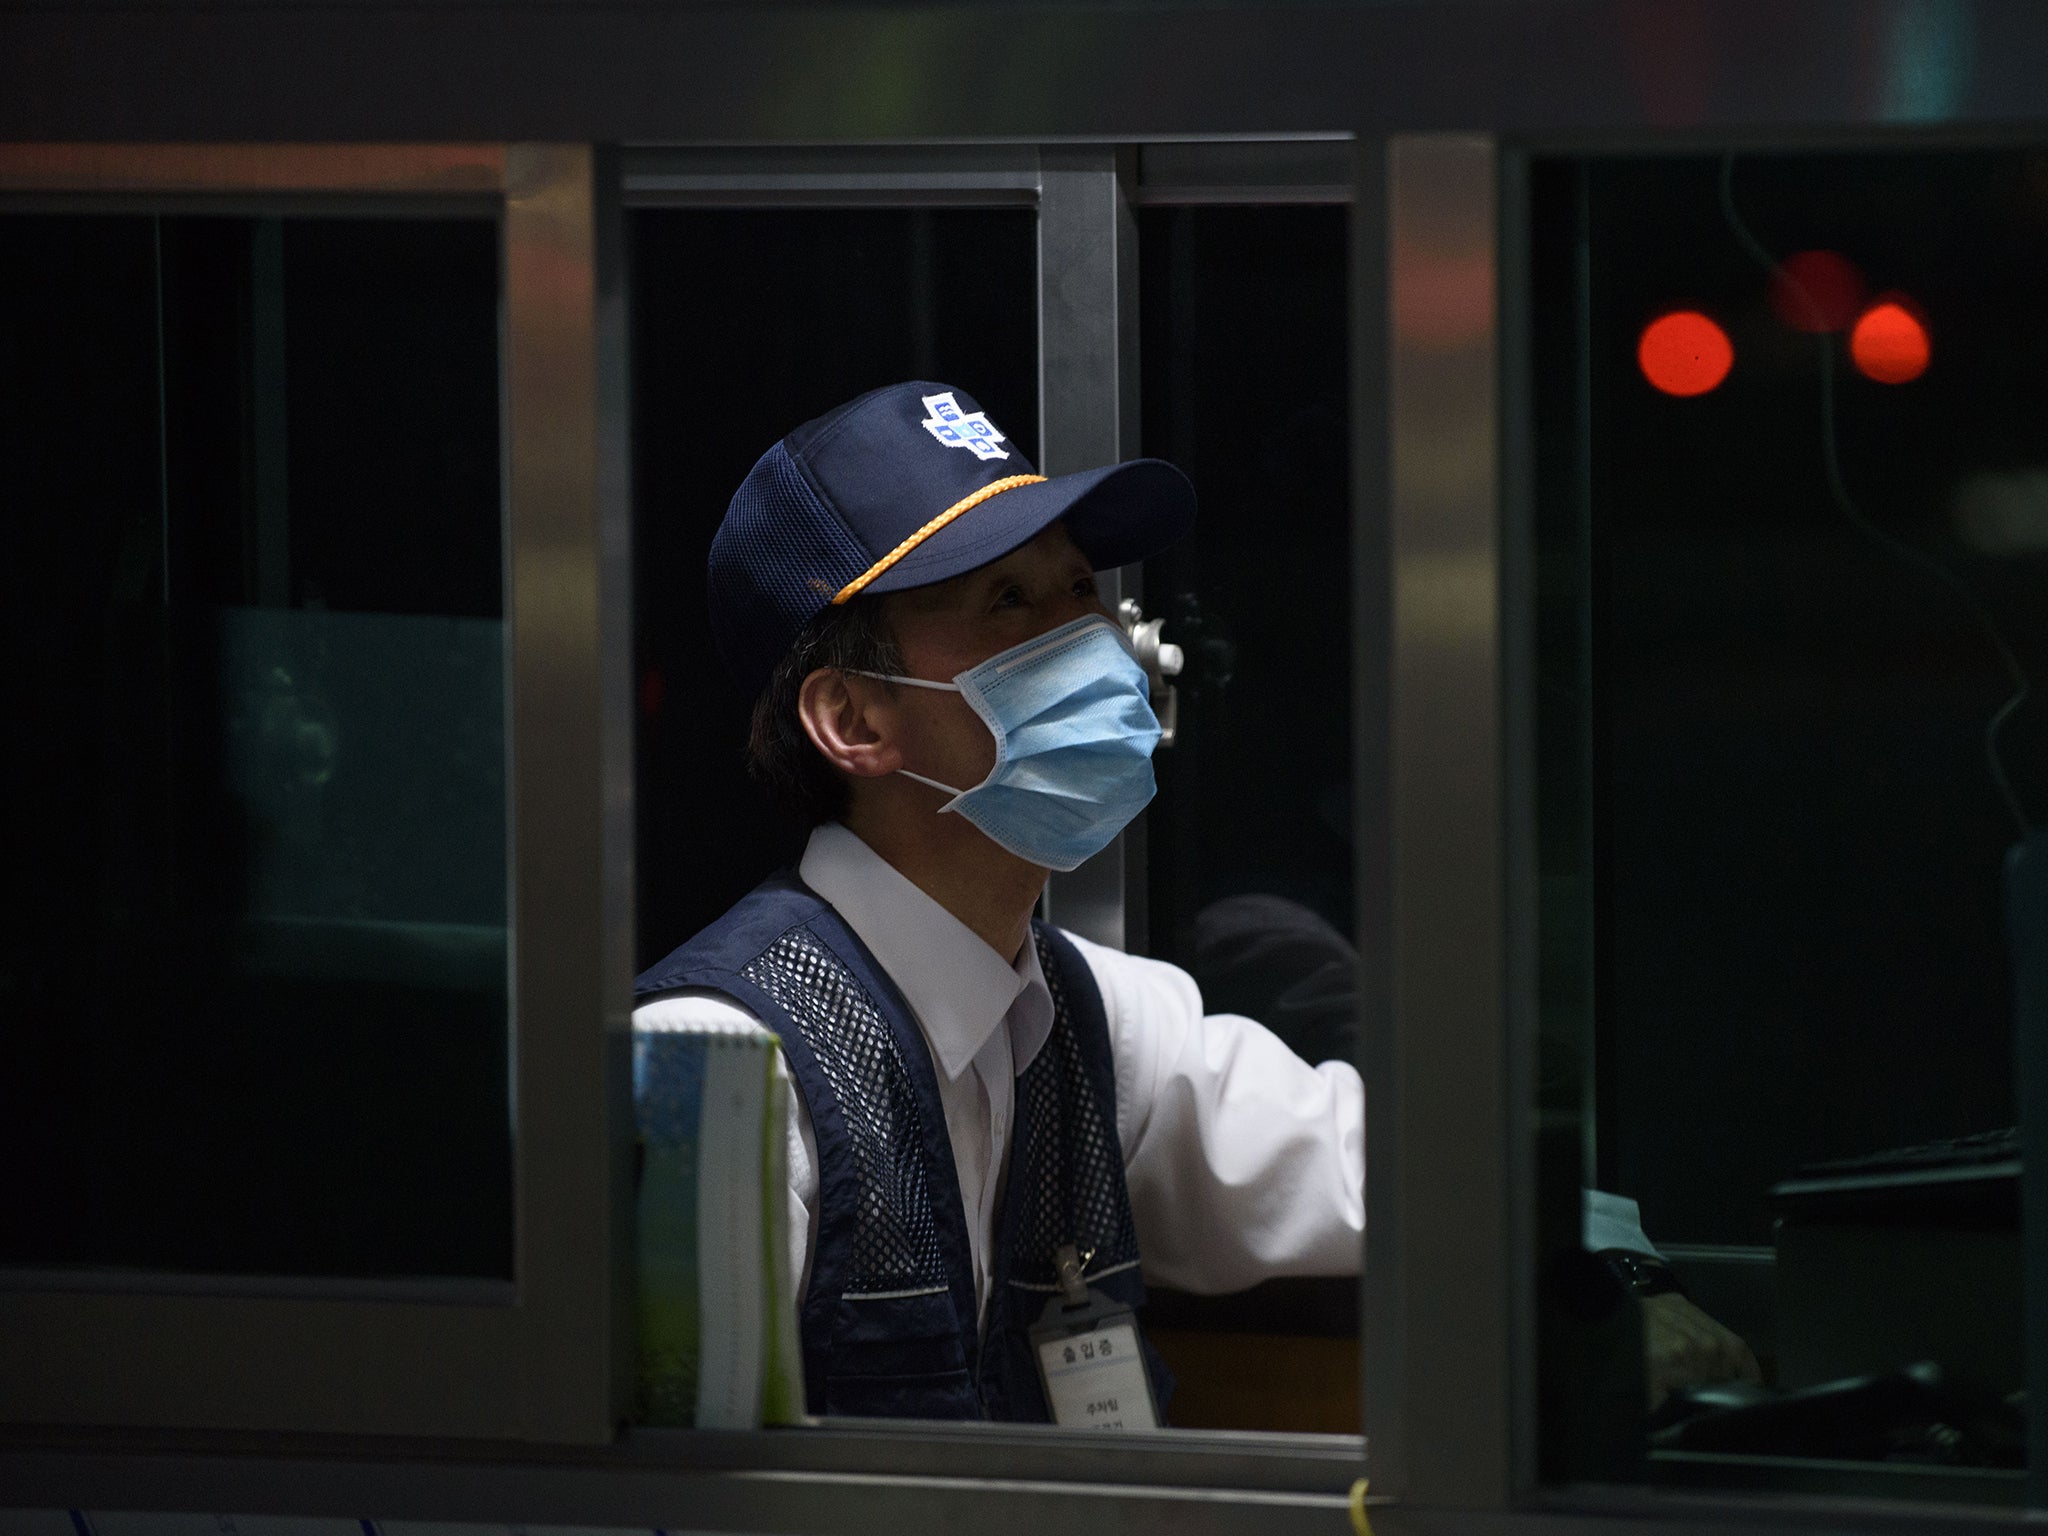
(838, 716)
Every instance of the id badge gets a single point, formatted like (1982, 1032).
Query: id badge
(1089, 1360)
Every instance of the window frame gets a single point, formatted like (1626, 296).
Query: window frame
(1789, 1491)
(547, 1355)
(1452, 1132)
(1084, 196)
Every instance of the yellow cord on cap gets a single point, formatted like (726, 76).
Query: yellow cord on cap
(965, 504)
(1360, 1521)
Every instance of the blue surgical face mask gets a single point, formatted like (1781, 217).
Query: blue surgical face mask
(1074, 729)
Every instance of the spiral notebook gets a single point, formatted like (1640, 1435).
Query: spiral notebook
(716, 1305)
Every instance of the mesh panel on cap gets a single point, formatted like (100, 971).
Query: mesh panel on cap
(776, 562)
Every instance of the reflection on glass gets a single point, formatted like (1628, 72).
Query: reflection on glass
(255, 981)
(1792, 571)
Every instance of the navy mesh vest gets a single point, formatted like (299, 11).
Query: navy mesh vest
(889, 1319)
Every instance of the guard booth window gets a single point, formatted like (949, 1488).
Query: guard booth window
(746, 321)
(1791, 600)
(254, 973)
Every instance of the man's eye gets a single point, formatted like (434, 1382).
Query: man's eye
(1085, 587)
(1011, 596)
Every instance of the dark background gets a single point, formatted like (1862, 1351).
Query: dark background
(253, 976)
(1246, 386)
(1765, 794)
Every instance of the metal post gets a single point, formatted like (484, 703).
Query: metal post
(1088, 416)
(567, 589)
(1439, 1240)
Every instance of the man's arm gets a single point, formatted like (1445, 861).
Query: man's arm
(1243, 1161)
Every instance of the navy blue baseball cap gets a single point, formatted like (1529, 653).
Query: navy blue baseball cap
(907, 486)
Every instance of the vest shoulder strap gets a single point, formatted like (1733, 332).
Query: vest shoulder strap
(750, 926)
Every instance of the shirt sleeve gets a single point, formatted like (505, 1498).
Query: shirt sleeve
(698, 1008)
(1243, 1161)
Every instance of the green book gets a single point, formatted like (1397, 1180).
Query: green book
(716, 1301)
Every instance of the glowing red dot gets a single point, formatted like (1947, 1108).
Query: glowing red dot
(1817, 291)
(1685, 353)
(1890, 344)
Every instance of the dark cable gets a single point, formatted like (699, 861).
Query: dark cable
(1831, 463)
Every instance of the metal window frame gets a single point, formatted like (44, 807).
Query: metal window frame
(546, 1357)
(1444, 1356)
(1084, 195)
(1088, 416)
(1451, 1152)
(1793, 1491)
(1286, 170)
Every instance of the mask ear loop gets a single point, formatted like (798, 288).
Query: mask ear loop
(935, 784)
(915, 682)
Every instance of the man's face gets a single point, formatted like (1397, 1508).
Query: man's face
(948, 628)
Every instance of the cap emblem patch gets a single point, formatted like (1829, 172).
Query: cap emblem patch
(956, 428)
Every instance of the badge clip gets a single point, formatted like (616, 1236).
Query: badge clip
(1068, 1265)
(1090, 1362)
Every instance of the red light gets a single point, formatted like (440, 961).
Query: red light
(1889, 343)
(1817, 291)
(1685, 353)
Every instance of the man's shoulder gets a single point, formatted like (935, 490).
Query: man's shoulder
(694, 1011)
(1106, 959)
(743, 932)
(1132, 983)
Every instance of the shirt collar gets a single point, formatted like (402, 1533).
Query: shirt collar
(958, 987)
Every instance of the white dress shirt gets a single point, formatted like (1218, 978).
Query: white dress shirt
(1243, 1161)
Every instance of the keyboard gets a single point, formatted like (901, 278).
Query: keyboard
(1988, 1156)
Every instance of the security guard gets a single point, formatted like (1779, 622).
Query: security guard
(996, 1118)
(941, 691)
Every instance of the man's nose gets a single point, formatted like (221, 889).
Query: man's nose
(1057, 603)
(1074, 606)
(1092, 605)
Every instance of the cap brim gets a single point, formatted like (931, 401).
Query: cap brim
(1117, 514)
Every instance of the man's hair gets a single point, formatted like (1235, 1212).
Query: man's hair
(779, 754)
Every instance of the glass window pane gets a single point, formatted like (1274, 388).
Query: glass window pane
(1793, 583)
(1248, 844)
(745, 323)
(1247, 389)
(250, 592)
